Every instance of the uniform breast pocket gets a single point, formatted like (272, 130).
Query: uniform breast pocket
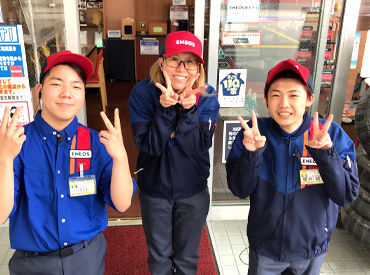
(38, 183)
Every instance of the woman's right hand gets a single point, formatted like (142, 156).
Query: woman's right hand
(11, 138)
(168, 97)
(252, 140)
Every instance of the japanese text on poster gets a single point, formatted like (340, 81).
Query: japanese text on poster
(14, 85)
(233, 38)
(231, 129)
(231, 87)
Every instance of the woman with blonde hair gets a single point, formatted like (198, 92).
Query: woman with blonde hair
(173, 117)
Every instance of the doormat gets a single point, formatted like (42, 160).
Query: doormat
(127, 252)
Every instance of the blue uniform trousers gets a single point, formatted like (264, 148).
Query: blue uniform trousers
(173, 229)
(87, 257)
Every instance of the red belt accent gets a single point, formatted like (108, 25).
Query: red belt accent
(307, 137)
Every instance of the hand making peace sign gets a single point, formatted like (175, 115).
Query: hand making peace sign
(252, 140)
(11, 138)
(168, 97)
(188, 96)
(320, 139)
(112, 137)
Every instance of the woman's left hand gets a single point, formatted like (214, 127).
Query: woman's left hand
(320, 138)
(188, 96)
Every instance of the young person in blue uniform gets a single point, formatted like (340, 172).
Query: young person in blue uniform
(296, 170)
(173, 117)
(62, 176)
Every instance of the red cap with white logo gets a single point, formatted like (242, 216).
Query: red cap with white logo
(294, 66)
(180, 42)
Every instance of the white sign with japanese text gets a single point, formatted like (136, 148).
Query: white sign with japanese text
(243, 11)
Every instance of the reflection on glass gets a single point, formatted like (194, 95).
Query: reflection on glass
(283, 29)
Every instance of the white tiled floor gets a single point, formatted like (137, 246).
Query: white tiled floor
(346, 255)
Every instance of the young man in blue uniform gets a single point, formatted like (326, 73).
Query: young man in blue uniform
(296, 170)
(57, 175)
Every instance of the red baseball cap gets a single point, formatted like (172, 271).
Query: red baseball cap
(294, 66)
(68, 57)
(179, 42)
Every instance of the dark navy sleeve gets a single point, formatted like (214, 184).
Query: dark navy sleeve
(196, 126)
(337, 167)
(242, 167)
(151, 123)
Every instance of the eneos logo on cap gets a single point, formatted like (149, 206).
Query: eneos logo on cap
(185, 42)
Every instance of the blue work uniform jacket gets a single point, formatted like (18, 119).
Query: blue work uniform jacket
(44, 216)
(290, 221)
(173, 143)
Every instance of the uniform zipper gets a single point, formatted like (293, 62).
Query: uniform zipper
(282, 254)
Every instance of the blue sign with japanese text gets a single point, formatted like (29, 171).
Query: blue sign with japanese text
(11, 63)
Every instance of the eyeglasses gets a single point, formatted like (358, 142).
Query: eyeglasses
(174, 62)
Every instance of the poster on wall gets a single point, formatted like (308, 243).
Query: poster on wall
(243, 11)
(231, 87)
(149, 47)
(94, 4)
(231, 129)
(14, 86)
(356, 45)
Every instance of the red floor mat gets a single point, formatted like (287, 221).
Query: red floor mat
(127, 252)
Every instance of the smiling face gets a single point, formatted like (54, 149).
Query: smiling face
(62, 95)
(287, 101)
(179, 76)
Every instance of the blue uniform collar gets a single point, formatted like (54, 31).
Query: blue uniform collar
(300, 130)
(46, 131)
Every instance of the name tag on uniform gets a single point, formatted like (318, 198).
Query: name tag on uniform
(310, 176)
(82, 186)
(308, 161)
(80, 154)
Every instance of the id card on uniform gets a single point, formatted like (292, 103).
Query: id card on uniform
(82, 186)
(310, 176)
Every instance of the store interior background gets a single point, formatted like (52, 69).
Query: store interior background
(132, 66)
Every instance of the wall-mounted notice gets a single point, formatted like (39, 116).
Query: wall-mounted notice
(14, 85)
(149, 47)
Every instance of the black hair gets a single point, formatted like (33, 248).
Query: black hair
(288, 74)
(75, 67)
